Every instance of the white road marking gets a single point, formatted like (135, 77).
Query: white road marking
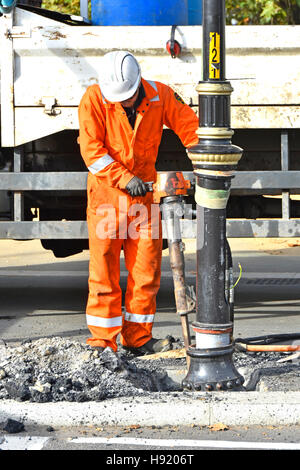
(178, 443)
(8, 442)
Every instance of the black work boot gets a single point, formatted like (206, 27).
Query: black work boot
(152, 346)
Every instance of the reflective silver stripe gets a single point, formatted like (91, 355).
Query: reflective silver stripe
(153, 84)
(156, 98)
(92, 320)
(135, 318)
(101, 163)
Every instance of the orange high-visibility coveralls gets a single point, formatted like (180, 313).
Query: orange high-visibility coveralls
(114, 153)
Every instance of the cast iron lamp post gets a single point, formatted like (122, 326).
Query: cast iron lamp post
(214, 160)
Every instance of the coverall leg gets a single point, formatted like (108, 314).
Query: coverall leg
(104, 305)
(143, 261)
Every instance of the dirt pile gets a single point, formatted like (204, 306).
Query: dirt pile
(56, 369)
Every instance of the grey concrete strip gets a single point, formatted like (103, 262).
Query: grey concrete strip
(200, 408)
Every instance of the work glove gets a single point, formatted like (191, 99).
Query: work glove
(136, 187)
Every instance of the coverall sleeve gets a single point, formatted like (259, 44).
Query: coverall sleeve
(179, 117)
(91, 140)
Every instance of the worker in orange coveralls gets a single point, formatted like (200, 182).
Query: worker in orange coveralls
(121, 122)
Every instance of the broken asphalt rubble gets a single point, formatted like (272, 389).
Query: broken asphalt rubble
(57, 369)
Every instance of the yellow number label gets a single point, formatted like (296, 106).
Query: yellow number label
(214, 55)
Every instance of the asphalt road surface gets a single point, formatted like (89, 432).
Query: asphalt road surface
(45, 296)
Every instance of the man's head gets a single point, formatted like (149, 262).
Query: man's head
(120, 78)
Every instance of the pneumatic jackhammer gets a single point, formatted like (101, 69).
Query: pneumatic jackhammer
(168, 191)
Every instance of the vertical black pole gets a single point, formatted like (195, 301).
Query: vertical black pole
(214, 160)
(213, 38)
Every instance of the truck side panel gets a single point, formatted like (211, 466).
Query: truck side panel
(47, 65)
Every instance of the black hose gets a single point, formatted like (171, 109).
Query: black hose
(268, 339)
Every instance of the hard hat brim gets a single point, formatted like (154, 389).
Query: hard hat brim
(118, 97)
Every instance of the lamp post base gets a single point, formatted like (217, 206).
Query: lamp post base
(212, 370)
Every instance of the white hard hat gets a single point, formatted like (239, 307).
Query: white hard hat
(121, 76)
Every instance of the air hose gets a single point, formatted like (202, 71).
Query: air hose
(259, 343)
(266, 343)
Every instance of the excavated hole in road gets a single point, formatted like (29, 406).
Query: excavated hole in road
(57, 369)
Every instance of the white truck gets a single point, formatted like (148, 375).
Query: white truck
(47, 62)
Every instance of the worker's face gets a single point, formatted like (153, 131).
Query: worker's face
(130, 102)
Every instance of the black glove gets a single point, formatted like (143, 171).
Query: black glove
(136, 187)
